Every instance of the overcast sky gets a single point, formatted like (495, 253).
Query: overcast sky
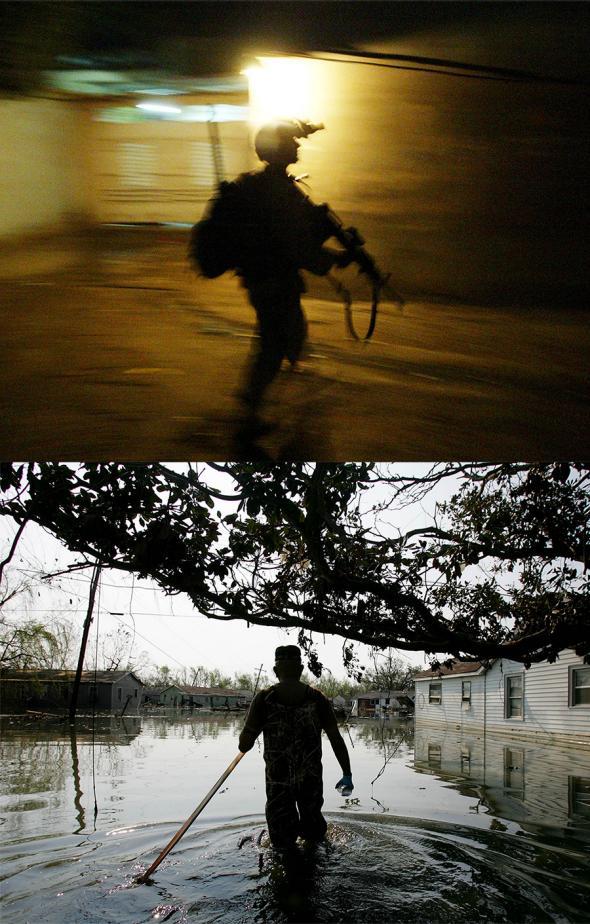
(167, 628)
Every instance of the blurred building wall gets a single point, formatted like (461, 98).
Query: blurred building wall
(161, 170)
(43, 176)
(469, 188)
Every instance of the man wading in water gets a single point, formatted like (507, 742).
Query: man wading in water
(282, 232)
(292, 715)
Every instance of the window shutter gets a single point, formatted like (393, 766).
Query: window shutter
(137, 164)
(202, 166)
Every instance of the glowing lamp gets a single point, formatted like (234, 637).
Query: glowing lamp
(280, 88)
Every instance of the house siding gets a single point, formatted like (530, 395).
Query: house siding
(546, 710)
(451, 711)
(546, 699)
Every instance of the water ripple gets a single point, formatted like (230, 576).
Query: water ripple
(371, 869)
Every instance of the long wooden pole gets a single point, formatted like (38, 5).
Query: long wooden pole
(145, 876)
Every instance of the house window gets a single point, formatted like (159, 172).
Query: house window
(513, 697)
(120, 693)
(466, 691)
(580, 686)
(579, 796)
(435, 693)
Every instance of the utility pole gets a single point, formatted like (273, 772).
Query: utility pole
(216, 148)
(86, 630)
(258, 679)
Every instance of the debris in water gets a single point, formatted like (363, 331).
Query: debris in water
(163, 912)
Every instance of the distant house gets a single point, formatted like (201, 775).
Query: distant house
(111, 691)
(340, 705)
(377, 703)
(217, 697)
(151, 696)
(172, 697)
(191, 697)
(548, 700)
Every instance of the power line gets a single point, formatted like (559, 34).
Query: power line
(84, 580)
(149, 642)
(438, 66)
(67, 612)
(120, 587)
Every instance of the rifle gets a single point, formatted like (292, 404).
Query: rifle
(353, 243)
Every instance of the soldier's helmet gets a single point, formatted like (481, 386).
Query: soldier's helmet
(275, 138)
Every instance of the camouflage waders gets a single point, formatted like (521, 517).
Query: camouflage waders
(293, 758)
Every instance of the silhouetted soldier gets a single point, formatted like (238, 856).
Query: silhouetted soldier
(283, 233)
(292, 715)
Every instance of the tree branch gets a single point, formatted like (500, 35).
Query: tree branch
(15, 542)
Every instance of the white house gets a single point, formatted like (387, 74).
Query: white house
(549, 700)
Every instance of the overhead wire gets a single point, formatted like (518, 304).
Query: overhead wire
(131, 615)
(437, 66)
(149, 641)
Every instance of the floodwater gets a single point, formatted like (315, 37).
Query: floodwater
(438, 828)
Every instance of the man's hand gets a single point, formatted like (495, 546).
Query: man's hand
(343, 258)
(344, 786)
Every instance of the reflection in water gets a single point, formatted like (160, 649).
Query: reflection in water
(384, 734)
(453, 832)
(43, 758)
(540, 786)
(76, 774)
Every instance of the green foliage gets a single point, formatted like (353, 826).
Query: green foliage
(498, 571)
(26, 645)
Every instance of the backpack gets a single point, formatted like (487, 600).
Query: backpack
(213, 243)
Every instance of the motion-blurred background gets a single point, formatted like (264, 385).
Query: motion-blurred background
(457, 142)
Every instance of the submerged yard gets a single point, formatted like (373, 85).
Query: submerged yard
(425, 836)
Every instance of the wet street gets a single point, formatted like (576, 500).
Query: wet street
(113, 348)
